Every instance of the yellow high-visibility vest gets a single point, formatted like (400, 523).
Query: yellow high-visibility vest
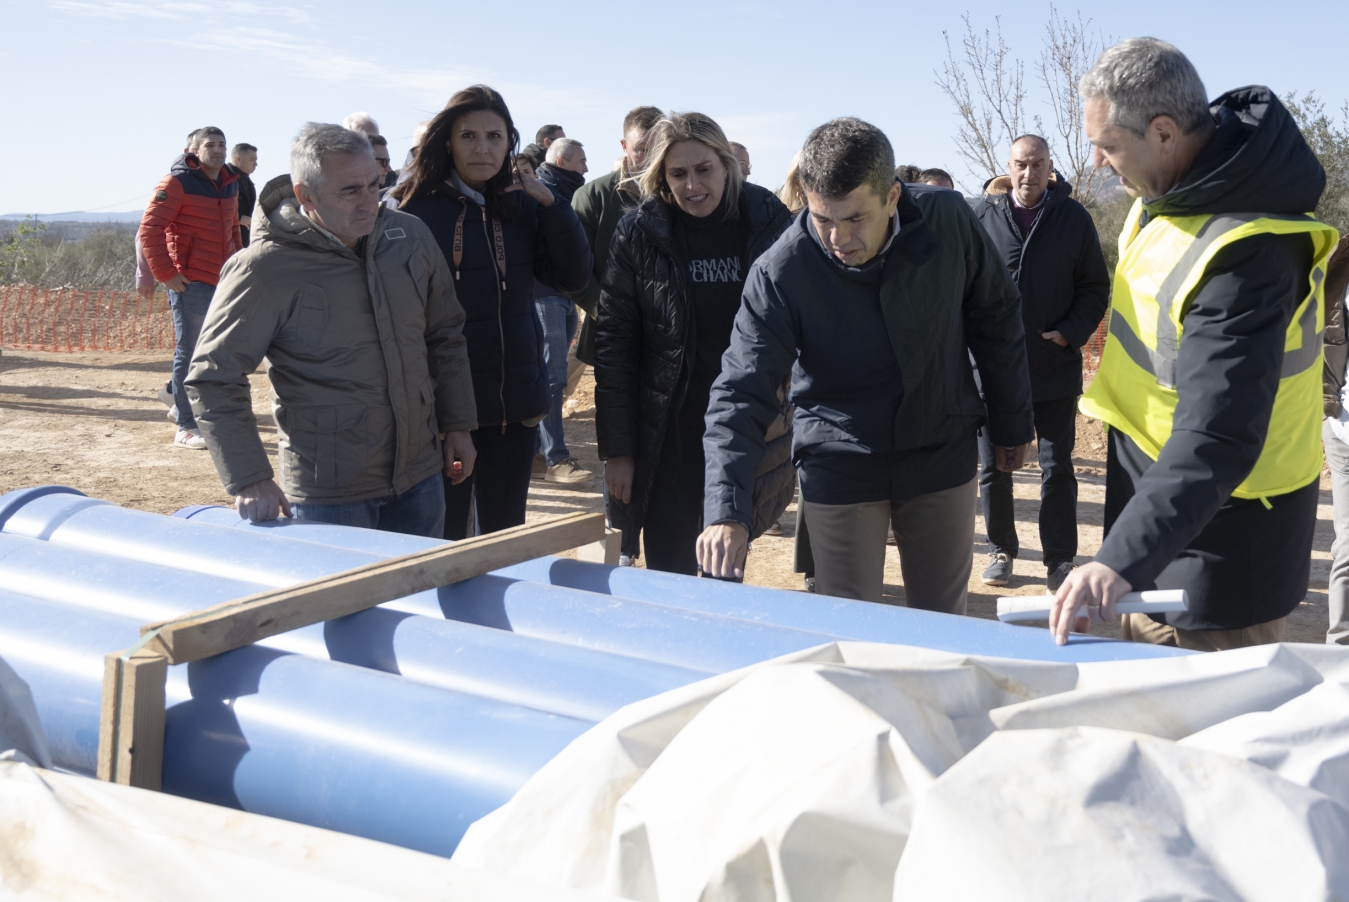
(1135, 387)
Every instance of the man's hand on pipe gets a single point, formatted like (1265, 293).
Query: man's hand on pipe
(1091, 585)
(263, 500)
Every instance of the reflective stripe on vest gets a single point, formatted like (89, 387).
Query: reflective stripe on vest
(1160, 267)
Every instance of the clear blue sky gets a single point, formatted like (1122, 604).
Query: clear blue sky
(100, 93)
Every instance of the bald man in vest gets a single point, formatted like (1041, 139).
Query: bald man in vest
(1210, 380)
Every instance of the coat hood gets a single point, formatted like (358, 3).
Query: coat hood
(1256, 162)
(286, 225)
(997, 190)
(188, 164)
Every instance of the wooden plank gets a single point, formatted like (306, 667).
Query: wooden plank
(131, 727)
(234, 624)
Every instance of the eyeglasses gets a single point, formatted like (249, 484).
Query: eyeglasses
(383, 162)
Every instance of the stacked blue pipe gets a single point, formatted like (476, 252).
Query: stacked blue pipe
(407, 722)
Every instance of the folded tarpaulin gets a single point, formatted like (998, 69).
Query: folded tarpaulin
(65, 837)
(859, 771)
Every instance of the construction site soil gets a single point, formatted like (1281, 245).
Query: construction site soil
(93, 422)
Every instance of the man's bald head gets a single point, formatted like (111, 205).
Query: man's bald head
(1029, 167)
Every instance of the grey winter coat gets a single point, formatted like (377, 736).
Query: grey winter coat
(368, 361)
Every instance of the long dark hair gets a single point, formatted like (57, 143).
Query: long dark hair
(433, 162)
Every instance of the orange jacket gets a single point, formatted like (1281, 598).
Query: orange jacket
(191, 226)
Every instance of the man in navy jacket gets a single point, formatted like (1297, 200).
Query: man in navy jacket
(871, 299)
(1049, 243)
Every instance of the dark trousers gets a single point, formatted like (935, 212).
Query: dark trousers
(1056, 430)
(500, 482)
(674, 509)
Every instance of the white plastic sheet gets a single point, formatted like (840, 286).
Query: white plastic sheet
(65, 837)
(875, 772)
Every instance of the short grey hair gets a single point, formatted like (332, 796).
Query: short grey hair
(560, 148)
(1143, 78)
(318, 141)
(361, 122)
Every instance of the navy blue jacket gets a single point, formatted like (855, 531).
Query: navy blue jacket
(1061, 274)
(505, 340)
(563, 183)
(878, 360)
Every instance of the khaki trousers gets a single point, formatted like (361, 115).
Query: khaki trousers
(1142, 628)
(934, 534)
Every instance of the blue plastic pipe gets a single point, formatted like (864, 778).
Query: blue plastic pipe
(837, 617)
(549, 676)
(289, 736)
(673, 636)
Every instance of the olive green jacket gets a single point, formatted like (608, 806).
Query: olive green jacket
(599, 205)
(368, 363)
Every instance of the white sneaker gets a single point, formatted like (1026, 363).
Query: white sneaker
(189, 439)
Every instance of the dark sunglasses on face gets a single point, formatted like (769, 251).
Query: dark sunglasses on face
(383, 162)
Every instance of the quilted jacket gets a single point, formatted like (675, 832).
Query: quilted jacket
(191, 226)
(643, 334)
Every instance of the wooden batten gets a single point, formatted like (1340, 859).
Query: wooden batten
(131, 731)
(131, 723)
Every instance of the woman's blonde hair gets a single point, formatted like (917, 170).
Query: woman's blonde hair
(671, 130)
(792, 195)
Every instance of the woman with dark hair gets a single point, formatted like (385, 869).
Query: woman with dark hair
(676, 270)
(499, 230)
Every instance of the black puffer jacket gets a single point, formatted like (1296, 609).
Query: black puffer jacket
(1061, 274)
(644, 334)
(505, 340)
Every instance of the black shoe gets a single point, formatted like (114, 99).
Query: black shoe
(1058, 574)
(999, 572)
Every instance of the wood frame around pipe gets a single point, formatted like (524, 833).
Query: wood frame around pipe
(131, 727)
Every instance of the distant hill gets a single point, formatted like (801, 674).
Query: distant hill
(79, 216)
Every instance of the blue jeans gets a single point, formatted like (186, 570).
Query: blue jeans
(420, 511)
(189, 312)
(558, 317)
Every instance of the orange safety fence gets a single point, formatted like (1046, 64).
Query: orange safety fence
(72, 319)
(1091, 352)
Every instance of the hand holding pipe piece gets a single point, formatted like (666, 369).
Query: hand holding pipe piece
(1016, 608)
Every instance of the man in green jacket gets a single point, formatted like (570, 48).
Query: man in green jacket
(600, 205)
(353, 305)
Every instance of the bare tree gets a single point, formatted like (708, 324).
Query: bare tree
(987, 87)
(1070, 49)
(1330, 142)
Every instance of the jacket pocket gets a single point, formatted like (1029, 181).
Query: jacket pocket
(310, 319)
(326, 447)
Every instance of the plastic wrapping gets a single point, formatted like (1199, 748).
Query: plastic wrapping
(872, 772)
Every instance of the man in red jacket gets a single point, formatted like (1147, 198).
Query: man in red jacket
(189, 230)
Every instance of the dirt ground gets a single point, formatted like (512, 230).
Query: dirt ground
(93, 422)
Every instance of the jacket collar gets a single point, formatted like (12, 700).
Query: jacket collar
(188, 164)
(911, 242)
(998, 191)
(287, 225)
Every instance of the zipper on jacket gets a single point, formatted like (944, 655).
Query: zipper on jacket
(501, 326)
